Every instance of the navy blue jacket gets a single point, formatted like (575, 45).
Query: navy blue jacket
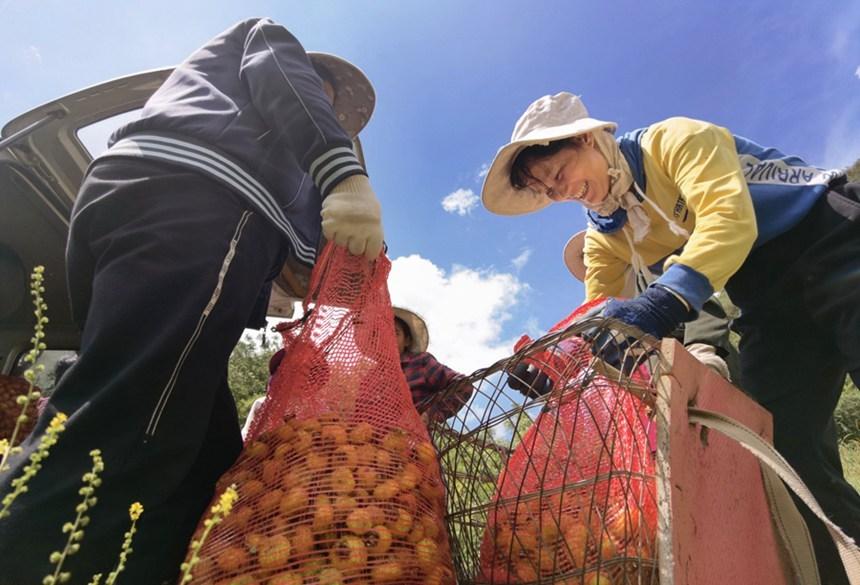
(248, 110)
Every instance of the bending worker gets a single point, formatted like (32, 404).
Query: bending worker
(712, 210)
(706, 337)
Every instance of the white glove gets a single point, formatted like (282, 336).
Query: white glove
(352, 217)
(707, 354)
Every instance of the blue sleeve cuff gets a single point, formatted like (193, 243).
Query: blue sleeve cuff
(690, 284)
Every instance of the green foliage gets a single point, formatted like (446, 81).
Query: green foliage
(217, 513)
(75, 529)
(847, 417)
(850, 454)
(854, 171)
(472, 461)
(248, 372)
(847, 414)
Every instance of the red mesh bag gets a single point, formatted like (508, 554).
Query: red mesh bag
(576, 500)
(338, 481)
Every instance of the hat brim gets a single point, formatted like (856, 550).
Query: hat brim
(499, 196)
(417, 329)
(574, 255)
(354, 96)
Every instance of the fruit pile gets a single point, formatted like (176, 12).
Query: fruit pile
(11, 388)
(326, 502)
(576, 501)
(562, 536)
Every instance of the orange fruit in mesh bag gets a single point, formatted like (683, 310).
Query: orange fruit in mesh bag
(327, 521)
(578, 490)
(11, 387)
(594, 440)
(352, 490)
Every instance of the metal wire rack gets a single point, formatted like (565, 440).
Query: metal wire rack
(553, 482)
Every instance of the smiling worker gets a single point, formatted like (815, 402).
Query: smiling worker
(694, 209)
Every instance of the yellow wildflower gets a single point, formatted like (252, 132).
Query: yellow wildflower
(219, 511)
(135, 510)
(227, 499)
(58, 421)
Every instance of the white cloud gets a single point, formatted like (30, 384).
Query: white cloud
(844, 31)
(461, 201)
(842, 145)
(857, 73)
(464, 308)
(520, 261)
(33, 55)
(482, 172)
(533, 328)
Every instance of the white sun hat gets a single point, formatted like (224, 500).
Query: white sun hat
(550, 118)
(574, 255)
(417, 329)
(354, 96)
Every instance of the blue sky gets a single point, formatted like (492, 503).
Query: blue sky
(452, 77)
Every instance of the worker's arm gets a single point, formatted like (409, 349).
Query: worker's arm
(439, 378)
(287, 92)
(605, 273)
(701, 160)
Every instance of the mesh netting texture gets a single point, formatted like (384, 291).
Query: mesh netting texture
(558, 487)
(338, 481)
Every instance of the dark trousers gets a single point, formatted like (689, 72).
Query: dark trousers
(800, 336)
(166, 268)
(712, 327)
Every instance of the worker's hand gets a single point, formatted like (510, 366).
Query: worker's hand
(352, 217)
(529, 381)
(656, 311)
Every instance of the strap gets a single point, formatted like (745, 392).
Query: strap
(790, 527)
(768, 455)
(843, 205)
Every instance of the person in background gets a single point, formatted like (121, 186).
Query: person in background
(240, 161)
(715, 210)
(425, 375)
(706, 338)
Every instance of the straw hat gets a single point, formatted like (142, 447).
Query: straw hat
(354, 97)
(574, 255)
(550, 118)
(417, 329)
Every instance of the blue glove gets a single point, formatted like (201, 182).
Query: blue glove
(656, 311)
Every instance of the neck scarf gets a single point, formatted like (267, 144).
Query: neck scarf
(620, 187)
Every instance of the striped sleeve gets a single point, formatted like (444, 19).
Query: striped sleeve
(439, 378)
(333, 166)
(288, 94)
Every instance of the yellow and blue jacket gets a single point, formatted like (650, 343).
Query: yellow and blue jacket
(729, 193)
